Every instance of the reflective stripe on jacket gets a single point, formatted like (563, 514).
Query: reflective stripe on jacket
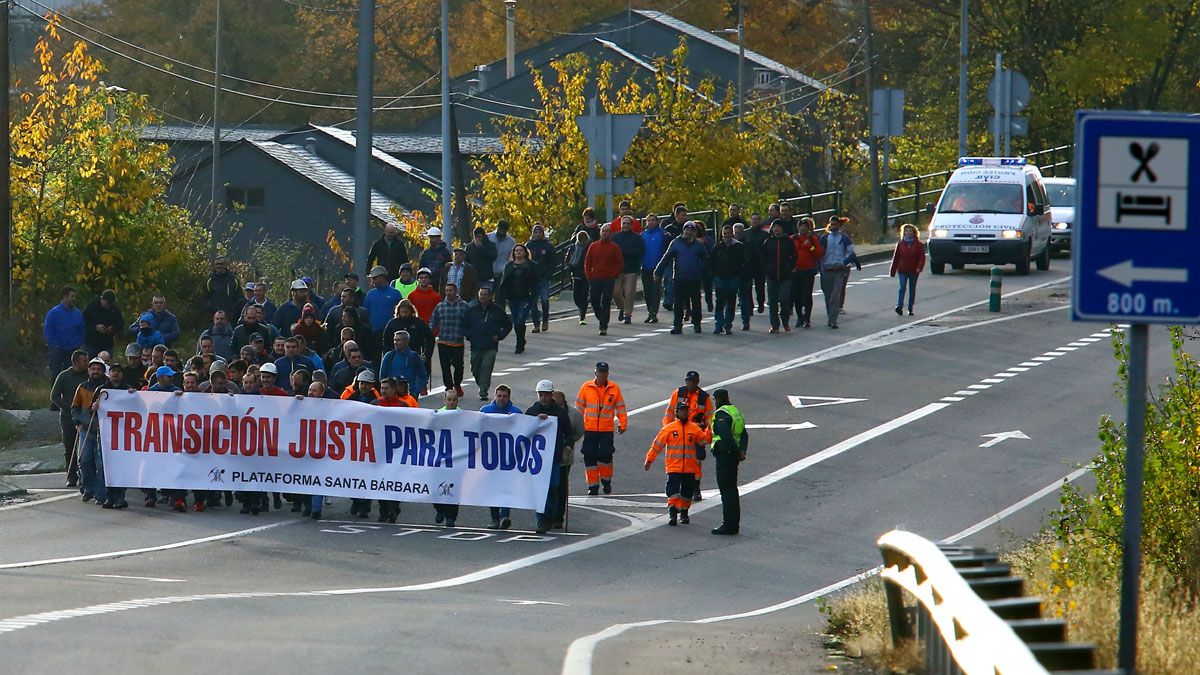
(678, 441)
(599, 405)
(698, 400)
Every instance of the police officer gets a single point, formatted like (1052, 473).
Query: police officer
(729, 443)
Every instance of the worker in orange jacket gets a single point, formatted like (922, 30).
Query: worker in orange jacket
(700, 411)
(603, 408)
(678, 441)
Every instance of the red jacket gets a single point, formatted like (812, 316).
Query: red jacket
(603, 261)
(808, 252)
(909, 257)
(424, 301)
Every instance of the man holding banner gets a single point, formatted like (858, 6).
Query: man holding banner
(545, 408)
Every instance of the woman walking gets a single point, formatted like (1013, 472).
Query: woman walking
(579, 282)
(908, 262)
(517, 288)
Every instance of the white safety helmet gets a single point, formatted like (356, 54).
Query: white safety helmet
(544, 385)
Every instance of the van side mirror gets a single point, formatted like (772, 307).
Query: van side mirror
(1037, 209)
(929, 208)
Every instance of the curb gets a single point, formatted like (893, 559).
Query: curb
(10, 490)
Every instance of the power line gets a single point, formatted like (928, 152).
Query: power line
(210, 85)
(325, 10)
(203, 69)
(548, 31)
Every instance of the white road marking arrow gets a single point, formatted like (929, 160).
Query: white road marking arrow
(788, 427)
(1000, 437)
(818, 401)
(1126, 274)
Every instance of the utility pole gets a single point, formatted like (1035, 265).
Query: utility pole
(872, 141)
(510, 39)
(445, 43)
(5, 204)
(217, 201)
(741, 33)
(362, 136)
(962, 82)
(996, 128)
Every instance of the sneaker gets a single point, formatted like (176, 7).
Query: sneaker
(808, 324)
(494, 525)
(723, 531)
(787, 327)
(773, 331)
(676, 331)
(604, 331)
(718, 330)
(593, 490)
(745, 326)
(762, 309)
(582, 322)
(833, 326)
(458, 390)
(316, 515)
(699, 497)
(729, 331)
(180, 505)
(505, 523)
(122, 504)
(841, 311)
(628, 320)
(684, 518)
(541, 528)
(646, 320)
(653, 319)
(519, 350)
(107, 505)
(899, 312)
(86, 498)
(910, 312)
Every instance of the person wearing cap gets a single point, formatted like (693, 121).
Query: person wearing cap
(362, 389)
(401, 362)
(484, 326)
(729, 443)
(603, 408)
(268, 375)
(162, 320)
(632, 249)
(388, 252)
(836, 259)
(684, 264)
(677, 441)
(352, 282)
(502, 404)
(516, 288)
(541, 252)
(289, 312)
(700, 411)
(461, 273)
(266, 304)
(447, 324)
(247, 297)
(728, 264)
(222, 290)
(545, 408)
(87, 425)
(504, 245)
(102, 320)
(424, 297)
(779, 259)
(381, 300)
(436, 255)
(134, 368)
(406, 282)
(310, 327)
(602, 265)
(63, 331)
(481, 254)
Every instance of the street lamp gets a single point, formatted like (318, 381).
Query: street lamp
(740, 31)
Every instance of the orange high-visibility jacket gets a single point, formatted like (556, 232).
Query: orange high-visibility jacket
(599, 405)
(678, 440)
(693, 402)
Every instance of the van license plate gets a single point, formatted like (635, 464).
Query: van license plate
(974, 249)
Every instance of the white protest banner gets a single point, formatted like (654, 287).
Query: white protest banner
(200, 441)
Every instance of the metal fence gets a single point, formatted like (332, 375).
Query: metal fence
(907, 198)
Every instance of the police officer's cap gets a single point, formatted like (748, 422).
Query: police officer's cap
(692, 375)
(602, 365)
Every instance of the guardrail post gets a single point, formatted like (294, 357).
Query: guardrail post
(810, 205)
(901, 628)
(917, 202)
(995, 286)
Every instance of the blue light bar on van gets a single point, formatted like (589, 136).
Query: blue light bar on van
(991, 161)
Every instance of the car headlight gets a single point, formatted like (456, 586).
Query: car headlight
(1062, 226)
(1010, 234)
(939, 234)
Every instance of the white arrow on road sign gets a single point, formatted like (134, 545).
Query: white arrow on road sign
(1126, 274)
(1000, 437)
(788, 427)
(818, 401)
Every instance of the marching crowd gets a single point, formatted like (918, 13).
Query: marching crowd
(376, 345)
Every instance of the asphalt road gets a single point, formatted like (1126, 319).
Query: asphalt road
(82, 589)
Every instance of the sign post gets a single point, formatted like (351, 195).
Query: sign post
(608, 138)
(1135, 260)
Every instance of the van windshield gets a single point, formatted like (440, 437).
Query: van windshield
(1061, 194)
(982, 198)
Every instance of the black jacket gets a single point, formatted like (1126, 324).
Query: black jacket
(482, 256)
(223, 292)
(420, 337)
(728, 260)
(542, 251)
(755, 238)
(95, 314)
(633, 249)
(779, 258)
(518, 283)
(482, 324)
(565, 433)
(389, 253)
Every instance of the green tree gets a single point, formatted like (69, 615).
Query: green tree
(88, 197)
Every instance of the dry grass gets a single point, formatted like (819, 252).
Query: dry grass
(858, 619)
(1169, 617)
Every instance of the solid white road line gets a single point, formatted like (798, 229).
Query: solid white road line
(578, 660)
(40, 501)
(147, 549)
(122, 576)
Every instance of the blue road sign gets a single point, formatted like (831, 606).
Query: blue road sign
(1136, 254)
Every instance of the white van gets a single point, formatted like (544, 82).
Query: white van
(994, 211)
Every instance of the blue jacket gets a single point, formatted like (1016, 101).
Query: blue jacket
(685, 261)
(656, 245)
(512, 409)
(285, 366)
(149, 338)
(407, 364)
(63, 327)
(287, 314)
(164, 322)
(380, 304)
(479, 325)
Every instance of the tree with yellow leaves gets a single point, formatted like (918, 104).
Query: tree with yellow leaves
(88, 197)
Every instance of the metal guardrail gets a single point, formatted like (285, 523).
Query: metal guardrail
(970, 616)
(909, 206)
